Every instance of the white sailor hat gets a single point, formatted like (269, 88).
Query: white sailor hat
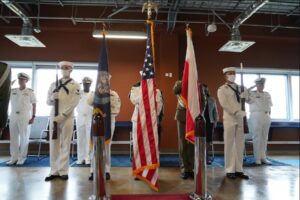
(260, 81)
(87, 80)
(65, 63)
(229, 69)
(23, 76)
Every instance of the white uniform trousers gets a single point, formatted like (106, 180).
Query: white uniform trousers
(107, 156)
(234, 143)
(60, 147)
(83, 138)
(108, 147)
(259, 125)
(19, 137)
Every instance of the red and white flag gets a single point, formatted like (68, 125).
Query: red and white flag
(190, 89)
(145, 147)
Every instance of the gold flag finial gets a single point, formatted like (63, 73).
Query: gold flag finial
(149, 6)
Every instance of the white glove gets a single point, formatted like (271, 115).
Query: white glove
(59, 118)
(240, 114)
(244, 95)
(54, 96)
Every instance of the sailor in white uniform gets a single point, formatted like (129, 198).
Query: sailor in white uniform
(229, 98)
(259, 122)
(84, 123)
(115, 105)
(68, 95)
(23, 108)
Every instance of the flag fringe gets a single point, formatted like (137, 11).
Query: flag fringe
(148, 182)
(152, 166)
(188, 135)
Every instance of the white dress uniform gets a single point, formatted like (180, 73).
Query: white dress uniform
(21, 108)
(135, 95)
(60, 147)
(83, 125)
(259, 122)
(115, 105)
(233, 128)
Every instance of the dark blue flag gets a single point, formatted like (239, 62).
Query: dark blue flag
(102, 91)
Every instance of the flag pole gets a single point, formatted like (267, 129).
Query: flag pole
(200, 169)
(98, 133)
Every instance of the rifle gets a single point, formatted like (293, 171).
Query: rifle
(245, 123)
(54, 135)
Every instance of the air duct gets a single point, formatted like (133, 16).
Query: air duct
(236, 44)
(18, 10)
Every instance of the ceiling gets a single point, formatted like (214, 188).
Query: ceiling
(283, 14)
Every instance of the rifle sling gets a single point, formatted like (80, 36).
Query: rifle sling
(237, 93)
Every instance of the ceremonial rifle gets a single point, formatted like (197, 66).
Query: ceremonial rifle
(245, 123)
(54, 135)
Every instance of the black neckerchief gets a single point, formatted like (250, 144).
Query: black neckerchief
(237, 93)
(63, 85)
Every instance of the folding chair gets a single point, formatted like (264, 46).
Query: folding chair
(74, 140)
(39, 133)
(248, 145)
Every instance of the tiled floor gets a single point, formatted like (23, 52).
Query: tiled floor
(266, 183)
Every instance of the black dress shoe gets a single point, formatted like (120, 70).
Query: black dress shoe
(191, 174)
(184, 175)
(91, 177)
(107, 176)
(241, 175)
(64, 177)
(231, 175)
(51, 177)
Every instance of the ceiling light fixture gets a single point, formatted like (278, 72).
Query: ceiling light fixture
(237, 46)
(26, 39)
(133, 35)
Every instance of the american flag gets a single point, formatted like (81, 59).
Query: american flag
(145, 149)
(190, 89)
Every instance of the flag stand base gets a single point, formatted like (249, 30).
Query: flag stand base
(195, 196)
(93, 197)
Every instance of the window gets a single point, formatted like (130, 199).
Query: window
(295, 97)
(276, 85)
(284, 94)
(43, 84)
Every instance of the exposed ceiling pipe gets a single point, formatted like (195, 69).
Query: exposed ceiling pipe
(235, 33)
(18, 10)
(118, 11)
(172, 15)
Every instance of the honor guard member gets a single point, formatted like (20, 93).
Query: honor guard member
(234, 139)
(84, 123)
(211, 116)
(68, 95)
(259, 122)
(186, 149)
(115, 105)
(134, 96)
(23, 105)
